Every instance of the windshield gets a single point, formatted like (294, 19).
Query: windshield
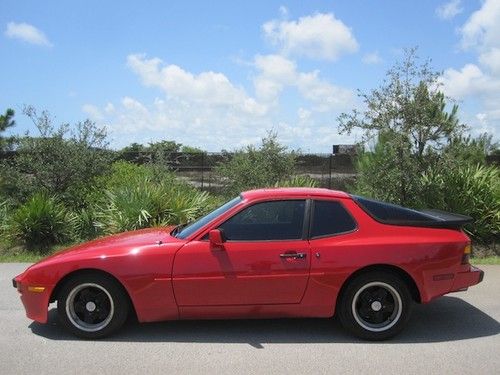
(191, 228)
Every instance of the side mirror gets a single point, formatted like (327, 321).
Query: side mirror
(216, 239)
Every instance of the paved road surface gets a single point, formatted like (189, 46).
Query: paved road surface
(456, 334)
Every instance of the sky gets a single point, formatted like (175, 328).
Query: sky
(220, 74)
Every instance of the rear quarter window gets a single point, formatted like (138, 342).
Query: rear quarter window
(330, 218)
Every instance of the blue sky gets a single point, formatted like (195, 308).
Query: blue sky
(218, 75)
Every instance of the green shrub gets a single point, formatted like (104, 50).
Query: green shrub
(146, 203)
(3, 216)
(252, 167)
(122, 174)
(472, 190)
(60, 160)
(298, 181)
(85, 224)
(389, 172)
(40, 223)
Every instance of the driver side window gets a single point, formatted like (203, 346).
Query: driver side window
(267, 221)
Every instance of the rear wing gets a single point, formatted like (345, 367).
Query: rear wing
(445, 219)
(392, 214)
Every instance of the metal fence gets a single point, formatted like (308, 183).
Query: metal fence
(330, 171)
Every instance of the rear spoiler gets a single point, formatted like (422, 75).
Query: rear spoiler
(392, 214)
(436, 219)
(445, 219)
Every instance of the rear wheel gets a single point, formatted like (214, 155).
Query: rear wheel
(375, 305)
(92, 305)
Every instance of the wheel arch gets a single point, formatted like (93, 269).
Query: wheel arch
(65, 278)
(401, 273)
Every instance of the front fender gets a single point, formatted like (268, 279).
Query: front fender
(144, 272)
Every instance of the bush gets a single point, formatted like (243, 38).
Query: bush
(472, 190)
(60, 160)
(298, 181)
(40, 223)
(387, 173)
(252, 167)
(85, 224)
(143, 196)
(3, 216)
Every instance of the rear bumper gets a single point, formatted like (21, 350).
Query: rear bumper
(463, 280)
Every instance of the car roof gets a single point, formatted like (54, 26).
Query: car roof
(294, 192)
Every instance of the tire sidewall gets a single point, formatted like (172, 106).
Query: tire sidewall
(120, 301)
(346, 315)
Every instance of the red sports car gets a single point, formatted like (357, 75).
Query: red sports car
(268, 253)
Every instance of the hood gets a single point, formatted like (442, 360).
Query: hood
(117, 244)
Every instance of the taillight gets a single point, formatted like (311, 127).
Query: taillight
(466, 255)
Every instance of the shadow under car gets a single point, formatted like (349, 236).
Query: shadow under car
(445, 319)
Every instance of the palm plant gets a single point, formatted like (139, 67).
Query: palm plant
(472, 190)
(146, 203)
(40, 223)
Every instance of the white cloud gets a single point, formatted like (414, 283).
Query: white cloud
(277, 72)
(92, 111)
(479, 81)
(208, 110)
(459, 84)
(303, 114)
(209, 88)
(482, 29)
(326, 97)
(449, 10)
(372, 58)
(491, 60)
(321, 36)
(283, 11)
(27, 33)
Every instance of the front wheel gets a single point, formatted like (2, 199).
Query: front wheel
(92, 305)
(375, 305)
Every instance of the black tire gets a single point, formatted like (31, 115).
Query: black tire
(375, 305)
(92, 305)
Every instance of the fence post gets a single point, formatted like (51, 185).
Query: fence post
(330, 172)
(202, 169)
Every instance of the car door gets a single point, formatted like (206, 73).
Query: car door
(265, 259)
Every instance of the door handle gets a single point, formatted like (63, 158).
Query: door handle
(293, 255)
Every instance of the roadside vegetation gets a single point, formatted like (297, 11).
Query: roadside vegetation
(416, 152)
(64, 185)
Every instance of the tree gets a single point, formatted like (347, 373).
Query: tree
(6, 121)
(407, 116)
(257, 167)
(191, 150)
(61, 160)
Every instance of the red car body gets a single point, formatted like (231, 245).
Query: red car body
(169, 278)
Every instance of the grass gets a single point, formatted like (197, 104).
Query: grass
(495, 259)
(20, 255)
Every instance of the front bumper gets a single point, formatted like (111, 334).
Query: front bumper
(464, 280)
(35, 302)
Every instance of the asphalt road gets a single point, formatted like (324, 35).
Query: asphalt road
(456, 334)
